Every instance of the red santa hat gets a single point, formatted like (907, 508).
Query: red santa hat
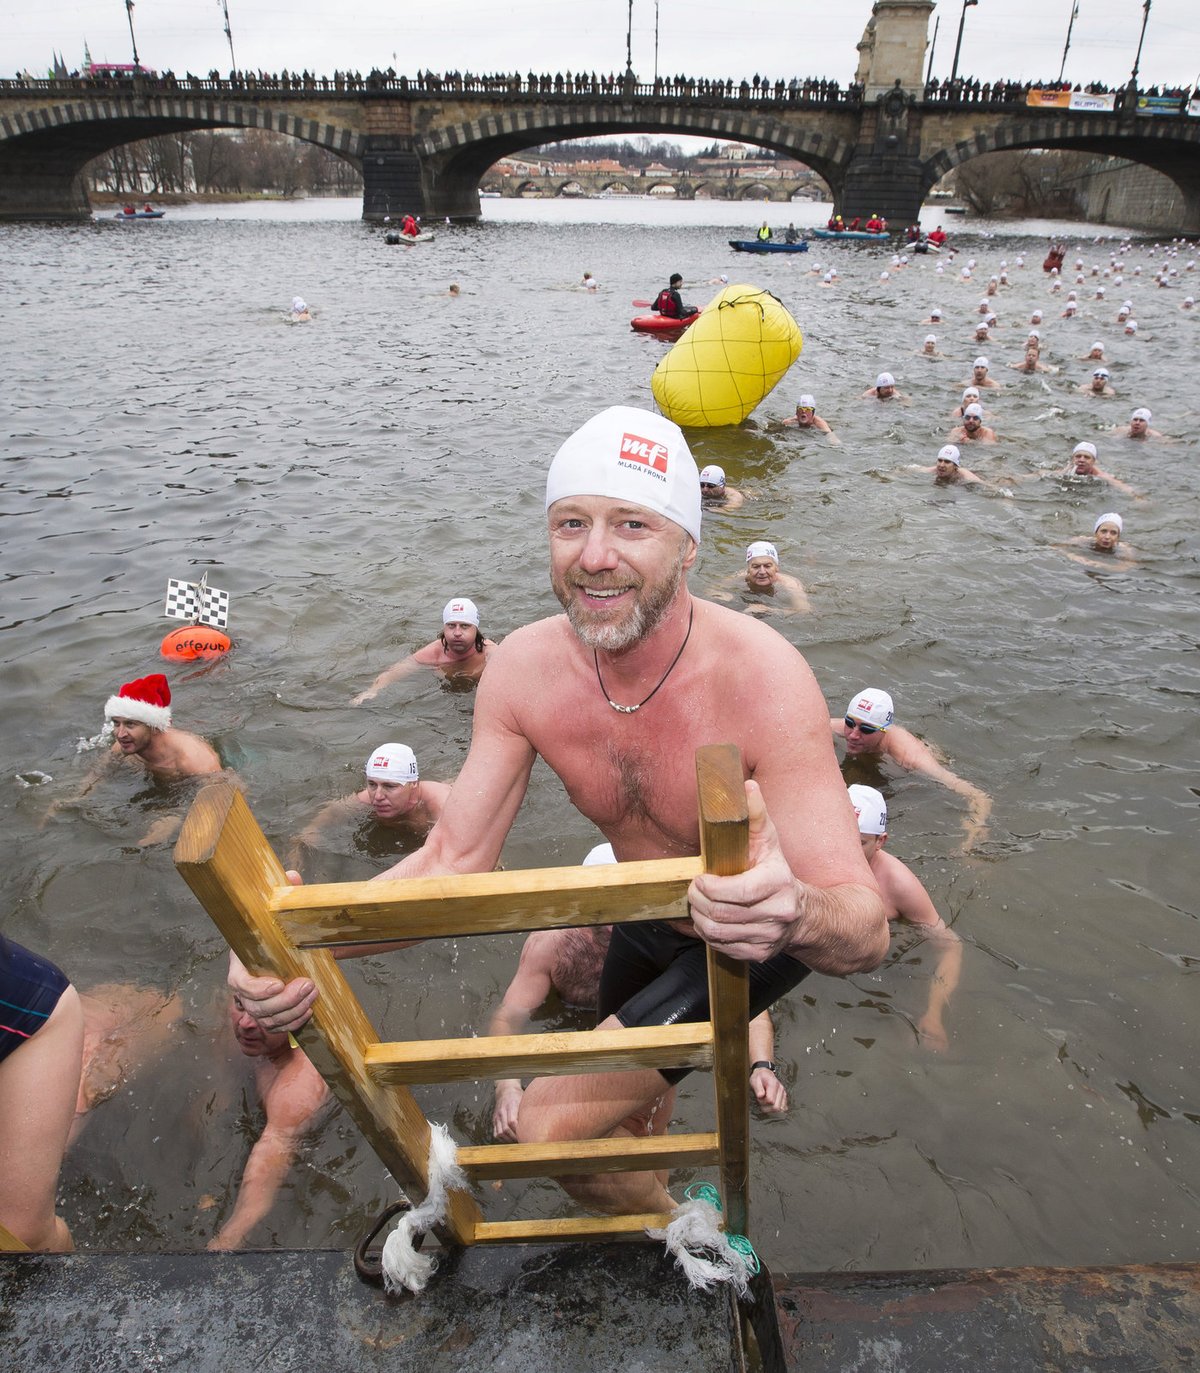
(148, 699)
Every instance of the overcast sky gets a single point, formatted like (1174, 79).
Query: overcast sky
(1002, 38)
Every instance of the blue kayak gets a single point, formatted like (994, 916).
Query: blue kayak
(760, 245)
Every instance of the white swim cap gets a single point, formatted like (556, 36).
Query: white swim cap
(883, 276)
(630, 455)
(966, 272)
(930, 338)
(935, 313)
(1033, 333)
(1088, 448)
(1141, 413)
(1102, 372)
(973, 411)
(827, 277)
(762, 549)
(392, 763)
(599, 856)
(884, 379)
(1072, 295)
(989, 320)
(971, 392)
(298, 305)
(1096, 345)
(712, 475)
(1189, 300)
(1131, 327)
(806, 402)
(981, 361)
(461, 611)
(1035, 317)
(872, 707)
(1070, 308)
(869, 807)
(949, 453)
(1111, 518)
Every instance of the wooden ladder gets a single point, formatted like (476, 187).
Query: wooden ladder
(224, 857)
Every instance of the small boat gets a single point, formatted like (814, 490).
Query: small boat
(954, 209)
(766, 245)
(849, 233)
(394, 237)
(140, 214)
(662, 324)
(923, 245)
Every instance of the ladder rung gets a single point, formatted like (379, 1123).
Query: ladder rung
(563, 1157)
(483, 903)
(578, 1227)
(541, 1055)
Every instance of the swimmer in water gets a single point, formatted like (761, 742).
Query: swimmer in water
(139, 716)
(1083, 464)
(929, 348)
(935, 316)
(715, 494)
(868, 731)
(1139, 425)
(589, 282)
(460, 651)
(884, 389)
(293, 1096)
(41, 1049)
(1032, 361)
(970, 396)
(973, 429)
(395, 796)
(1098, 386)
(906, 899)
(454, 289)
(806, 417)
(1095, 353)
(766, 584)
(948, 469)
(1105, 540)
(979, 376)
(300, 311)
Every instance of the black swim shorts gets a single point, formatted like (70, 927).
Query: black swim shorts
(653, 975)
(29, 991)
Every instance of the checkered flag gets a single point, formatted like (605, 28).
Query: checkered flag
(197, 603)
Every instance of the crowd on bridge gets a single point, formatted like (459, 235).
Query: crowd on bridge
(803, 91)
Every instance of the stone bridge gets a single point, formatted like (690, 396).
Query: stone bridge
(676, 185)
(426, 149)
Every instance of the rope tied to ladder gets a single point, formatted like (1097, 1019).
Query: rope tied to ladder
(403, 1266)
(704, 1252)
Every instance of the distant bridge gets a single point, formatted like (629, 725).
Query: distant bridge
(674, 185)
(425, 149)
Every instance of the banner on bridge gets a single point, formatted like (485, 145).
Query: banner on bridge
(1081, 100)
(1194, 108)
(1160, 104)
(1070, 100)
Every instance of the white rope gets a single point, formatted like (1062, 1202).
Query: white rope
(694, 1231)
(403, 1266)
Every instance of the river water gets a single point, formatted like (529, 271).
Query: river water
(342, 479)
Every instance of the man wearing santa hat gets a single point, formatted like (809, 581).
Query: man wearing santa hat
(140, 715)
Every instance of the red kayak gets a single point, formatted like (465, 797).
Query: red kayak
(661, 324)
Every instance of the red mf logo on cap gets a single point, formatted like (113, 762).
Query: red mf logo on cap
(644, 451)
(865, 704)
(381, 760)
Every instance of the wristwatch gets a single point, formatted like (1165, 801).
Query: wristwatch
(767, 1064)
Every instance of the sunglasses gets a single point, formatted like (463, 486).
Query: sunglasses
(851, 723)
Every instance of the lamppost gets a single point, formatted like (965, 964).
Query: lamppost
(962, 19)
(1141, 40)
(132, 39)
(629, 43)
(1067, 44)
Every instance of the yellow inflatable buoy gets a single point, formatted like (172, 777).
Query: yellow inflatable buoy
(732, 356)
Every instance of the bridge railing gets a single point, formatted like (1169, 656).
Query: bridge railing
(803, 94)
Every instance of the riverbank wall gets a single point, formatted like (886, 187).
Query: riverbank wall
(1113, 190)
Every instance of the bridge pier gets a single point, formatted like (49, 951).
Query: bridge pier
(396, 181)
(885, 174)
(41, 187)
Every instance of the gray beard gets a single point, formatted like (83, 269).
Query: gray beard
(646, 616)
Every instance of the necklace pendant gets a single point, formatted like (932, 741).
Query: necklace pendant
(624, 710)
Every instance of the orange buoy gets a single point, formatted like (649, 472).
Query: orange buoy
(190, 642)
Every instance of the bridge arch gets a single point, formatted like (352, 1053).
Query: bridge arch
(456, 156)
(1169, 146)
(45, 149)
